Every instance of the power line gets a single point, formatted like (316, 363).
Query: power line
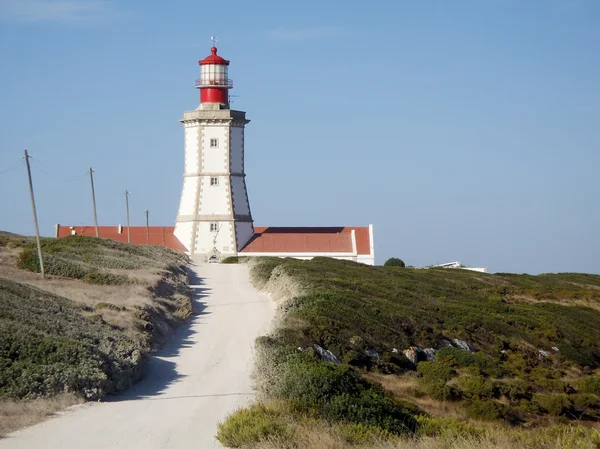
(52, 172)
(12, 167)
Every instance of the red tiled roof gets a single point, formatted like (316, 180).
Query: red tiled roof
(266, 239)
(308, 240)
(159, 235)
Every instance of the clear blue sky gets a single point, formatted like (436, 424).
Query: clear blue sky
(463, 130)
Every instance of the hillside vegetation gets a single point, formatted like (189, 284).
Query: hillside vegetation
(381, 353)
(86, 329)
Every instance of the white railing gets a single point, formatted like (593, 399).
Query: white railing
(215, 83)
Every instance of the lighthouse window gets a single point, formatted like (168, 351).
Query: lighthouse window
(214, 143)
(214, 181)
(214, 226)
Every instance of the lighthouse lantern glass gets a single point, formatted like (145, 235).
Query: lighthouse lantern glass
(213, 75)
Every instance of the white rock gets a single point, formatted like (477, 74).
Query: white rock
(326, 355)
(463, 345)
(373, 354)
(430, 353)
(412, 354)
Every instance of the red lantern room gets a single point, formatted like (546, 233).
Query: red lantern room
(214, 82)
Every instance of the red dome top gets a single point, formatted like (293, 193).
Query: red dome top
(214, 58)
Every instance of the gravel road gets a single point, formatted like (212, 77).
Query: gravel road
(195, 381)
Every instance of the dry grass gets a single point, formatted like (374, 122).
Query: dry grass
(15, 415)
(319, 436)
(407, 388)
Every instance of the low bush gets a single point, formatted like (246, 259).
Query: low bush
(476, 387)
(554, 404)
(488, 409)
(234, 260)
(251, 425)
(434, 378)
(394, 262)
(47, 347)
(338, 393)
(463, 359)
(102, 278)
(590, 385)
(434, 372)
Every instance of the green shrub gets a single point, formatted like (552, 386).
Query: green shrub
(554, 404)
(394, 262)
(434, 372)
(590, 385)
(477, 387)
(545, 379)
(434, 378)
(338, 393)
(488, 409)
(47, 347)
(463, 359)
(251, 425)
(102, 278)
(234, 260)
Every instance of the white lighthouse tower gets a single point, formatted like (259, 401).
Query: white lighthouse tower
(214, 218)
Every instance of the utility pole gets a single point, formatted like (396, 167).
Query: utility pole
(127, 206)
(94, 201)
(35, 220)
(147, 228)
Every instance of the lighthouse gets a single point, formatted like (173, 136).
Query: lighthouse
(214, 218)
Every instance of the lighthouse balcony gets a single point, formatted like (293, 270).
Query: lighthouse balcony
(201, 83)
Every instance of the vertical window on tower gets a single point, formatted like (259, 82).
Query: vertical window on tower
(214, 181)
(214, 143)
(214, 226)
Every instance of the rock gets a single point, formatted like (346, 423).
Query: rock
(461, 344)
(326, 355)
(430, 354)
(444, 344)
(373, 354)
(412, 354)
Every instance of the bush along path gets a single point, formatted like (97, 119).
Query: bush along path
(89, 347)
(387, 352)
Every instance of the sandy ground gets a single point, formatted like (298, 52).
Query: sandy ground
(202, 375)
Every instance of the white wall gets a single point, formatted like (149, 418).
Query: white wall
(215, 199)
(183, 231)
(204, 238)
(214, 159)
(191, 149)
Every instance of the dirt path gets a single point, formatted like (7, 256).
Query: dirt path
(194, 382)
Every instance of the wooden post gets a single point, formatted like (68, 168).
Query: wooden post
(147, 229)
(128, 225)
(35, 220)
(94, 202)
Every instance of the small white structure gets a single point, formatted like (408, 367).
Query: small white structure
(457, 264)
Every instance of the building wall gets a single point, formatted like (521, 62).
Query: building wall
(237, 149)
(225, 204)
